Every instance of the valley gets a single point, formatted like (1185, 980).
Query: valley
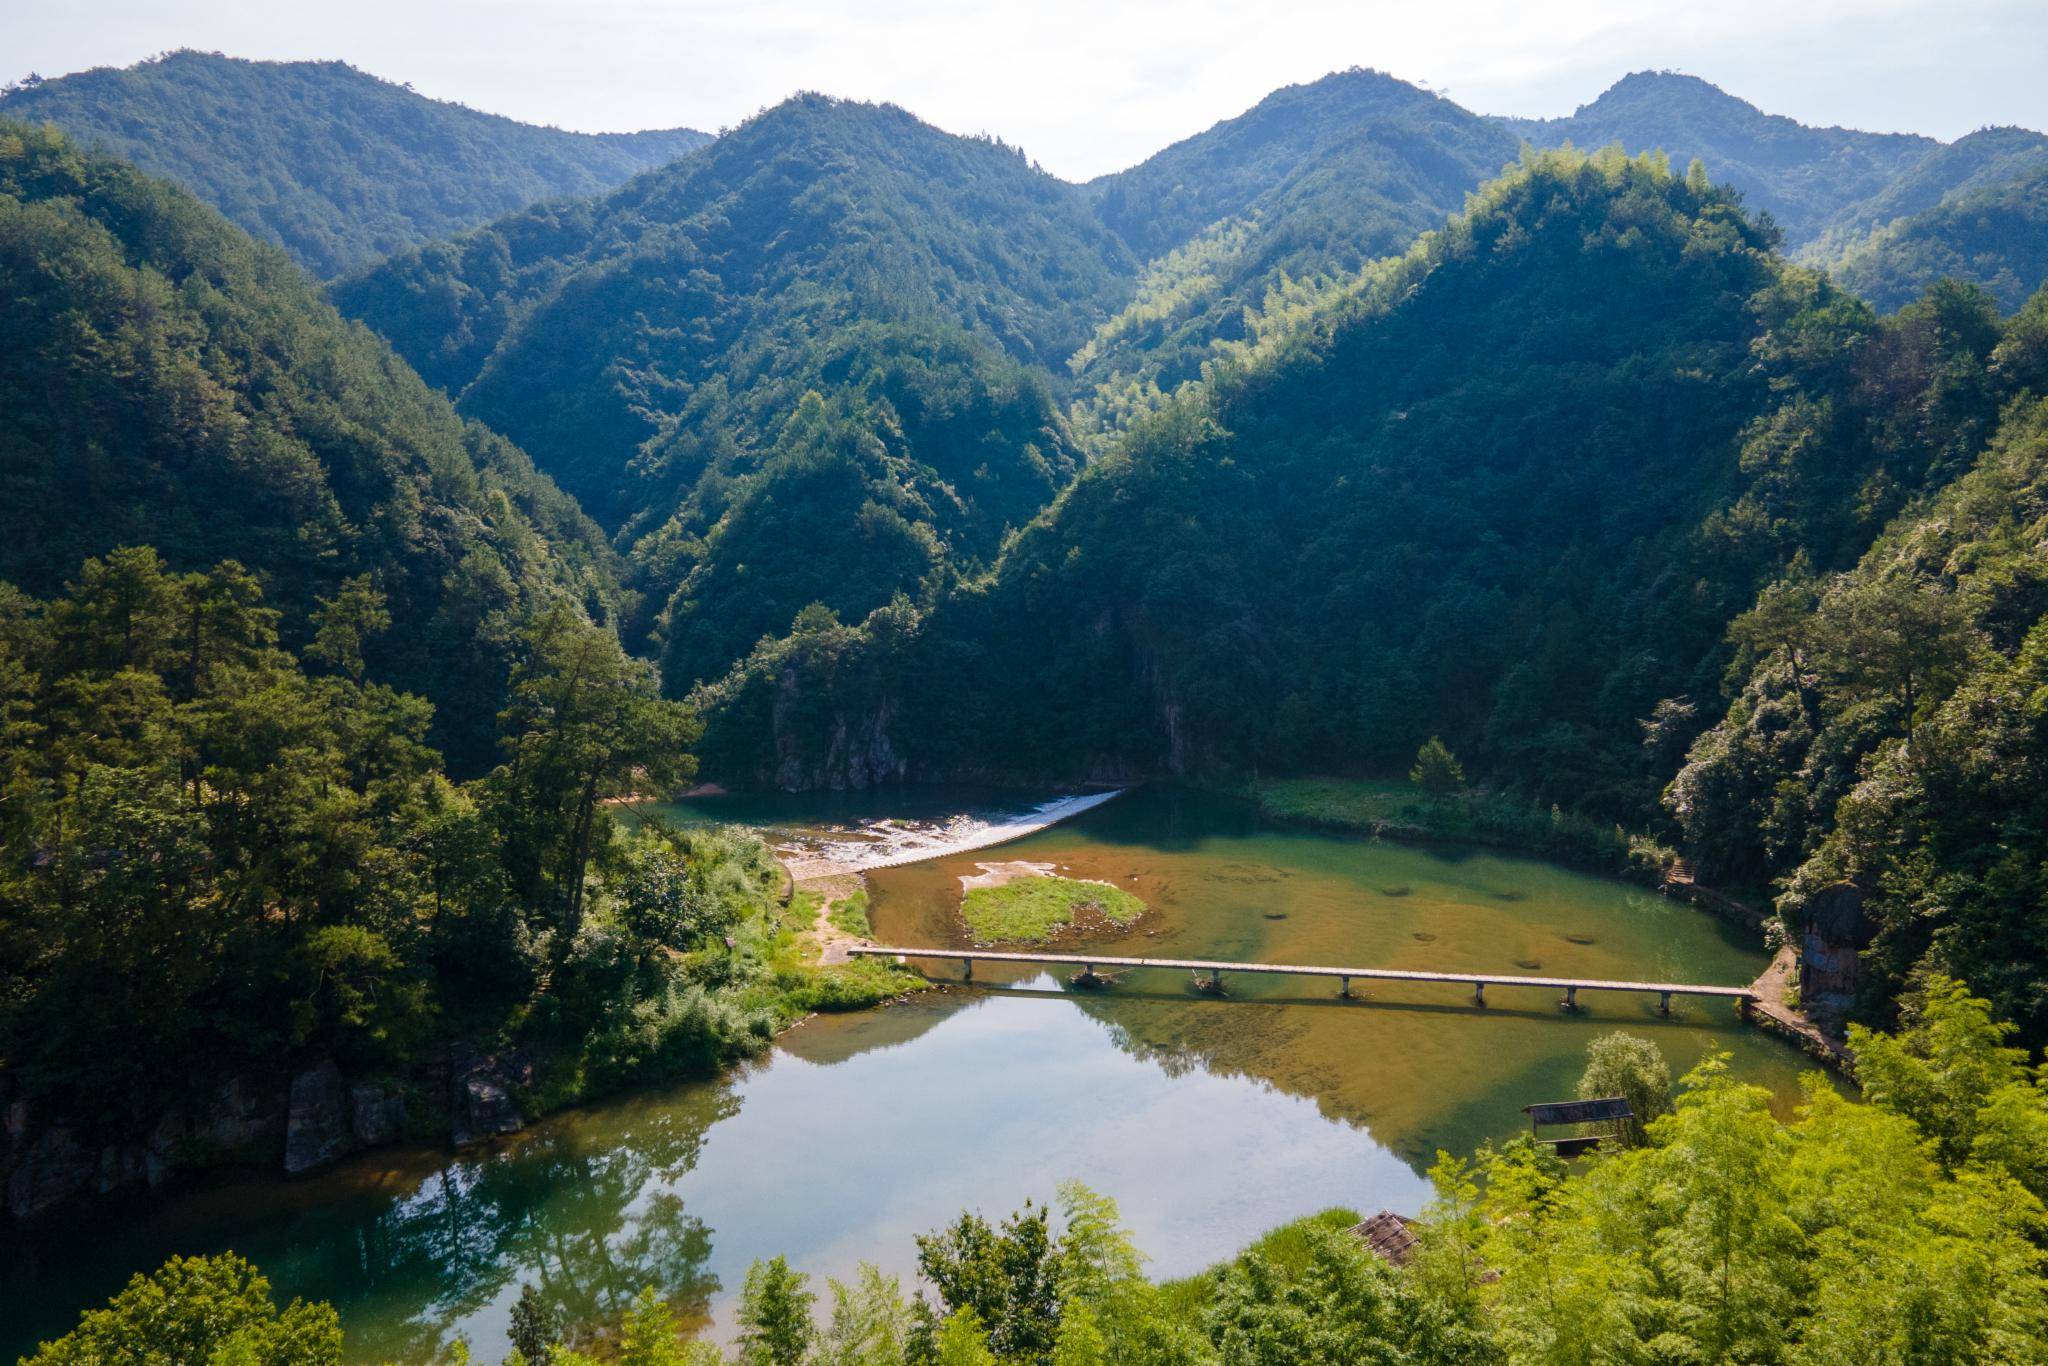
(494, 619)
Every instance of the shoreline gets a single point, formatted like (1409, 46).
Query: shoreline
(849, 856)
(840, 871)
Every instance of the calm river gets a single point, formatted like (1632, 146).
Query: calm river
(1210, 1121)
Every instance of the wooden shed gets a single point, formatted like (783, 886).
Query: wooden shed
(1610, 1110)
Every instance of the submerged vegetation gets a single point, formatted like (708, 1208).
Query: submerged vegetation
(1033, 909)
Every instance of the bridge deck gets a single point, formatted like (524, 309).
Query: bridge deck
(1475, 979)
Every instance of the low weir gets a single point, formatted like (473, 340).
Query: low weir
(1479, 982)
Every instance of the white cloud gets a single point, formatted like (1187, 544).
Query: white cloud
(1088, 86)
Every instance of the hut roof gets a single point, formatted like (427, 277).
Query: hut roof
(1389, 1234)
(1578, 1111)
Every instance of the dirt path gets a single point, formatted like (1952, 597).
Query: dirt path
(1773, 1010)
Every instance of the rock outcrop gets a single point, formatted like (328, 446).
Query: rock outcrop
(481, 1088)
(316, 1120)
(376, 1112)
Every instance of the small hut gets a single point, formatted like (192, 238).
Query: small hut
(1609, 1110)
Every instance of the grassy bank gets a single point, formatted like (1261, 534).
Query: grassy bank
(1394, 809)
(1032, 910)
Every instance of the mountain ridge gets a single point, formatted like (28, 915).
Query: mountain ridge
(336, 165)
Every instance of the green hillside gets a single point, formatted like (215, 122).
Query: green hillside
(332, 164)
(654, 350)
(170, 382)
(1310, 184)
(1994, 235)
(1802, 176)
(1887, 725)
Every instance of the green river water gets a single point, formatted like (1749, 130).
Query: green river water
(1208, 1120)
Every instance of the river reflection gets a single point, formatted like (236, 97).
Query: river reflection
(1209, 1121)
(859, 1133)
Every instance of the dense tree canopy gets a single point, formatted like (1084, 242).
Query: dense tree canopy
(337, 167)
(168, 381)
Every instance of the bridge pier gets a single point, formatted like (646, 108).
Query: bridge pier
(1479, 993)
(967, 969)
(1664, 1003)
(1571, 998)
(1344, 988)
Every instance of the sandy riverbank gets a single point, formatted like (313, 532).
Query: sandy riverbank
(833, 868)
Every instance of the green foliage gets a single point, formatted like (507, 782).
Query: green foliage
(1437, 771)
(536, 1325)
(1884, 723)
(1007, 1279)
(1032, 910)
(850, 914)
(871, 1322)
(199, 1309)
(158, 389)
(657, 350)
(336, 166)
(1805, 178)
(1624, 1065)
(775, 1316)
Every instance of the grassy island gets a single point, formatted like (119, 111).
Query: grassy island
(1032, 910)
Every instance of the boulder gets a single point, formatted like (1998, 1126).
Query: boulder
(481, 1101)
(316, 1120)
(377, 1113)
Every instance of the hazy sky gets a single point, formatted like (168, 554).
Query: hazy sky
(1087, 86)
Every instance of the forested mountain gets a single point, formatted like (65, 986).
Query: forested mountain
(336, 166)
(1803, 177)
(1992, 233)
(1312, 183)
(168, 381)
(1416, 155)
(1889, 729)
(654, 350)
(1514, 488)
(1508, 488)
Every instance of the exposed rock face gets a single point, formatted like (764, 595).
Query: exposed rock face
(49, 1170)
(1838, 927)
(377, 1113)
(858, 752)
(481, 1087)
(316, 1121)
(237, 1119)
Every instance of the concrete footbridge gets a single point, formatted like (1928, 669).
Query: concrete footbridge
(1743, 997)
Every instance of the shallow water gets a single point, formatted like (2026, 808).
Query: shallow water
(1210, 1121)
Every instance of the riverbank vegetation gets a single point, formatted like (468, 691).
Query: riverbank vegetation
(1908, 1226)
(1030, 909)
(1399, 810)
(233, 856)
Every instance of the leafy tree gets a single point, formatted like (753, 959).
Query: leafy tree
(871, 1322)
(1437, 771)
(1007, 1278)
(585, 723)
(211, 1309)
(536, 1324)
(1624, 1065)
(775, 1315)
(1896, 637)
